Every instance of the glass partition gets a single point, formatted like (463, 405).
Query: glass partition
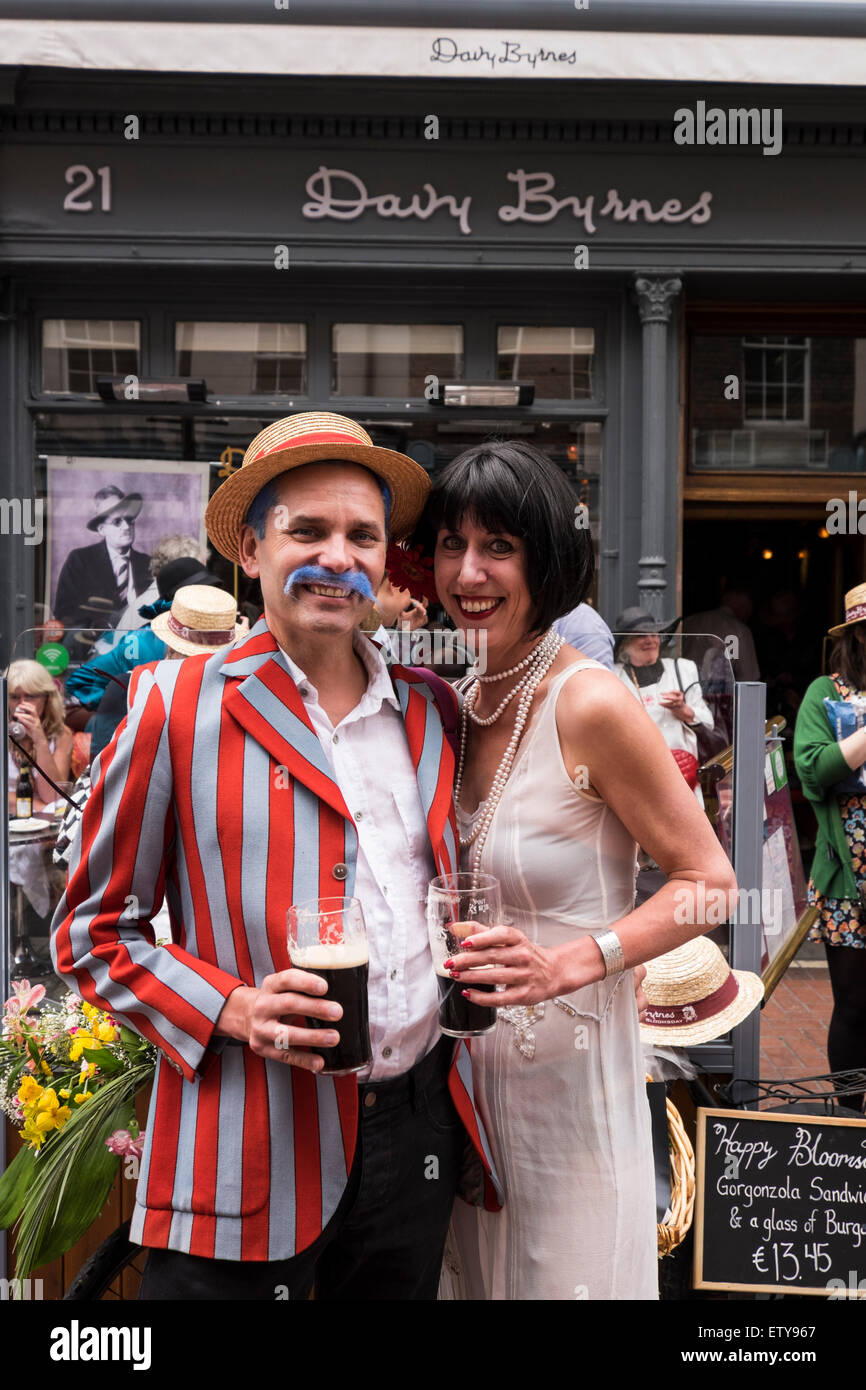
(686, 686)
(79, 716)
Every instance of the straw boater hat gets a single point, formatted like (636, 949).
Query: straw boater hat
(201, 619)
(312, 437)
(694, 995)
(855, 609)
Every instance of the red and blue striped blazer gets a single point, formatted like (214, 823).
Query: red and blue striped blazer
(215, 794)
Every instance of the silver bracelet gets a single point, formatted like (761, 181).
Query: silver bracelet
(611, 949)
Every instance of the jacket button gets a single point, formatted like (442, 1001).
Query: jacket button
(370, 1099)
(340, 871)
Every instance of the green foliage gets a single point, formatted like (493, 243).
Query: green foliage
(72, 1177)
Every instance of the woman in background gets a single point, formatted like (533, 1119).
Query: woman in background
(36, 706)
(667, 687)
(837, 886)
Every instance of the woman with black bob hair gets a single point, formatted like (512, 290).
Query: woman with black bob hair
(512, 487)
(560, 775)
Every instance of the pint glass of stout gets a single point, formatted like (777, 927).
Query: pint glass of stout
(457, 906)
(327, 936)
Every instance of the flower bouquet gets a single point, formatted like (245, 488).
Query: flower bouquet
(68, 1079)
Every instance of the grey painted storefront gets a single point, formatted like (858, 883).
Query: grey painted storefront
(224, 172)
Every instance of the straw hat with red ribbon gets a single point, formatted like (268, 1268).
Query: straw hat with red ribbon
(201, 619)
(855, 610)
(694, 995)
(313, 437)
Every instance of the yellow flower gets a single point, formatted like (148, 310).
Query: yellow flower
(48, 1100)
(61, 1116)
(65, 1094)
(82, 1041)
(106, 1033)
(33, 1136)
(46, 1069)
(82, 1096)
(29, 1090)
(44, 1121)
(89, 1010)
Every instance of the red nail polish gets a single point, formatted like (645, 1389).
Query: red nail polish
(448, 964)
(455, 974)
(467, 945)
(465, 993)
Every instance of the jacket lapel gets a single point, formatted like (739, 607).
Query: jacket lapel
(262, 697)
(433, 761)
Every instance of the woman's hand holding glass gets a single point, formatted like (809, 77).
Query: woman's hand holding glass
(526, 973)
(523, 971)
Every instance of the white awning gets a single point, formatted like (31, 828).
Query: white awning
(316, 50)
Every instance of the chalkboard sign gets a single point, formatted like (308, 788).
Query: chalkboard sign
(780, 1203)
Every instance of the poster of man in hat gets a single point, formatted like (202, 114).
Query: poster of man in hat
(104, 520)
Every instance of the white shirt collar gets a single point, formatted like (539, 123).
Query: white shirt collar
(379, 687)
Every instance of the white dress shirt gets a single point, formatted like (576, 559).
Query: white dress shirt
(369, 756)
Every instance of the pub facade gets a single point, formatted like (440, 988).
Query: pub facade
(660, 284)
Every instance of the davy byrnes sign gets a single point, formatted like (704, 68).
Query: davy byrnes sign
(344, 196)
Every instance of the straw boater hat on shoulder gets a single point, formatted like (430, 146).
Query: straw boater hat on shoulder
(694, 995)
(201, 619)
(313, 437)
(855, 610)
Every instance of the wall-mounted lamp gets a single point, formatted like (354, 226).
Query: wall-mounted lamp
(133, 388)
(484, 393)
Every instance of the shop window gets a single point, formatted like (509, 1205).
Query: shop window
(775, 374)
(560, 361)
(394, 359)
(110, 435)
(244, 359)
(777, 403)
(77, 351)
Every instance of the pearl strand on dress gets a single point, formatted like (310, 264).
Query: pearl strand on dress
(544, 656)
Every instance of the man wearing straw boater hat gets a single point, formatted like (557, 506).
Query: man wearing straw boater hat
(293, 766)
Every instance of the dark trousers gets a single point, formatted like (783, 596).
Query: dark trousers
(846, 1037)
(386, 1238)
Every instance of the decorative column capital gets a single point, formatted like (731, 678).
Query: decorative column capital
(655, 295)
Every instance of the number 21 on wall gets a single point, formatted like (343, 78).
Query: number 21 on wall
(82, 177)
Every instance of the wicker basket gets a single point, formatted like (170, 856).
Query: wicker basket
(673, 1231)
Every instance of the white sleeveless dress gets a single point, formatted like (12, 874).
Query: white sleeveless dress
(562, 1094)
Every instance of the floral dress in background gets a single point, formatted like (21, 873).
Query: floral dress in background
(842, 921)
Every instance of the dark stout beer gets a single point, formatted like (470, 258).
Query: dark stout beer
(459, 1017)
(345, 967)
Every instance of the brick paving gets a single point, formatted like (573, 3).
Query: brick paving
(794, 1024)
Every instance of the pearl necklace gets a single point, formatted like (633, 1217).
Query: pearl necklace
(537, 654)
(512, 670)
(544, 655)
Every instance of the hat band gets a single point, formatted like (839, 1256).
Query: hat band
(853, 615)
(311, 437)
(681, 1015)
(203, 636)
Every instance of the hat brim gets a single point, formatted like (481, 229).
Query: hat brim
(407, 480)
(840, 627)
(160, 628)
(130, 503)
(749, 995)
